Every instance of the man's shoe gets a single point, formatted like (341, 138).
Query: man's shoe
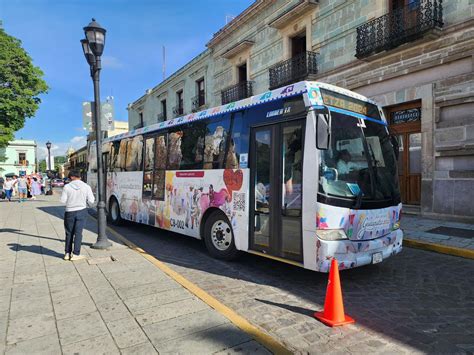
(67, 256)
(75, 257)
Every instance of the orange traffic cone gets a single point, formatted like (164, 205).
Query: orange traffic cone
(333, 313)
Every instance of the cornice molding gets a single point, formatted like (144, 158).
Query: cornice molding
(238, 48)
(293, 13)
(248, 14)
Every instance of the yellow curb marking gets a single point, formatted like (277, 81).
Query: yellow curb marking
(269, 342)
(439, 248)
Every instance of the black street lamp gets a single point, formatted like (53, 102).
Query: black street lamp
(93, 46)
(48, 167)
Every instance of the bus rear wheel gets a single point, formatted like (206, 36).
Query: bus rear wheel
(219, 237)
(114, 212)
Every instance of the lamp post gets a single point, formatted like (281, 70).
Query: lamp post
(93, 46)
(48, 167)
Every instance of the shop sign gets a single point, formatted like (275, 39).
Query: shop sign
(404, 116)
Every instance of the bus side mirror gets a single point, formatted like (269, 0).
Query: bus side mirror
(322, 123)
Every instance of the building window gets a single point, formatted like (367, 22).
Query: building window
(179, 99)
(242, 73)
(163, 110)
(178, 110)
(140, 115)
(21, 158)
(201, 92)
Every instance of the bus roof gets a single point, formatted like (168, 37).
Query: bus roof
(311, 88)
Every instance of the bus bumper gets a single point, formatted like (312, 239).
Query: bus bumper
(350, 254)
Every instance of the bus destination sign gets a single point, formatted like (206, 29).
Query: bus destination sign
(335, 99)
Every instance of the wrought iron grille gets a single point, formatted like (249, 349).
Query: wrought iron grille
(160, 117)
(294, 69)
(198, 101)
(236, 92)
(399, 26)
(178, 110)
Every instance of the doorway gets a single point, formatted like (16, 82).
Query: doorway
(298, 45)
(276, 164)
(405, 125)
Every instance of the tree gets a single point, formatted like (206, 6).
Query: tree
(42, 165)
(20, 85)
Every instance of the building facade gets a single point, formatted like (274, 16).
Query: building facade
(77, 160)
(18, 156)
(414, 57)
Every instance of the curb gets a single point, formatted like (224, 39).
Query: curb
(268, 341)
(439, 248)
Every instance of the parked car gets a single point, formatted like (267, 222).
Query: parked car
(57, 183)
(66, 180)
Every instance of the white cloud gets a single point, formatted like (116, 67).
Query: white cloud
(60, 148)
(111, 62)
(79, 140)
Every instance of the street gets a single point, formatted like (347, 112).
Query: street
(417, 301)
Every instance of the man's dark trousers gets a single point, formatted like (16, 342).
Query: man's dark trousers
(74, 224)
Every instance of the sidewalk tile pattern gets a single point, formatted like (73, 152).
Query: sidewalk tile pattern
(127, 306)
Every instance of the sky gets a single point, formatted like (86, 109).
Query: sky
(50, 32)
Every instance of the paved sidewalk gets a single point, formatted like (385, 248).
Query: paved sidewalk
(420, 229)
(127, 306)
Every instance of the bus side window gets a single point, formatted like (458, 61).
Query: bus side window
(134, 154)
(175, 154)
(121, 155)
(215, 143)
(114, 150)
(148, 166)
(234, 143)
(192, 146)
(161, 154)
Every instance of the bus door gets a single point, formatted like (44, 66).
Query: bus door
(276, 165)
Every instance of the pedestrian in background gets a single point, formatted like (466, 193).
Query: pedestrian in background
(22, 184)
(76, 195)
(8, 187)
(35, 188)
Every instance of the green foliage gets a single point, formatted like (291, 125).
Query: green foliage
(20, 84)
(42, 165)
(60, 159)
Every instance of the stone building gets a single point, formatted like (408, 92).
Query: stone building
(414, 57)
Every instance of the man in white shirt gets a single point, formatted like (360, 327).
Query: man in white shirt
(76, 195)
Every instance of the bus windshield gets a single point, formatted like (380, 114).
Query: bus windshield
(360, 163)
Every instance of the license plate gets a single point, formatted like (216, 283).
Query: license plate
(377, 258)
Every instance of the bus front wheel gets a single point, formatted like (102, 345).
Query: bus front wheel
(114, 212)
(219, 237)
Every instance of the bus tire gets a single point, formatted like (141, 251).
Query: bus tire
(219, 237)
(114, 212)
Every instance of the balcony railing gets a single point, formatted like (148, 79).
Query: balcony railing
(236, 92)
(161, 117)
(22, 162)
(198, 101)
(400, 26)
(178, 111)
(295, 69)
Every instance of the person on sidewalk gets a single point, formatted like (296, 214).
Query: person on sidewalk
(8, 187)
(22, 184)
(76, 195)
(35, 188)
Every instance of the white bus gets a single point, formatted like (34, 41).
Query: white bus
(301, 174)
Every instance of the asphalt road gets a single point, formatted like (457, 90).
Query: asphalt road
(417, 301)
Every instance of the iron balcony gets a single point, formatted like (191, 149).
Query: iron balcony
(400, 26)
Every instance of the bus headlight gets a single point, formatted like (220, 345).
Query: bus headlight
(331, 234)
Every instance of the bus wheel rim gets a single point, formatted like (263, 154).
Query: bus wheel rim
(221, 235)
